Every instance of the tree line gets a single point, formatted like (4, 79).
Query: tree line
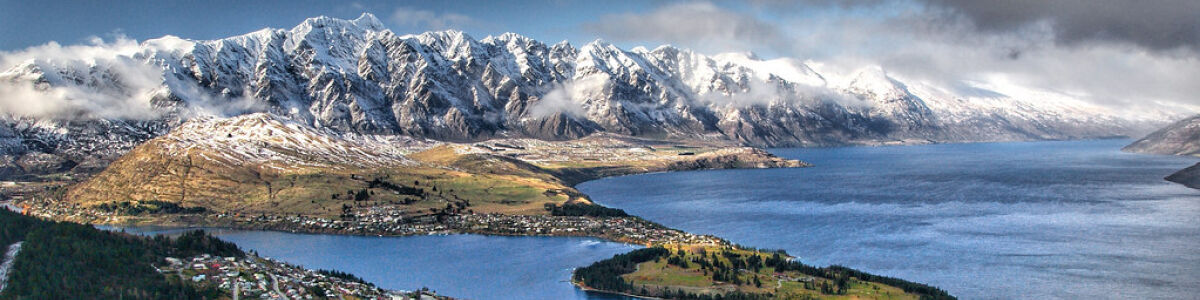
(148, 207)
(606, 275)
(586, 210)
(63, 260)
(727, 266)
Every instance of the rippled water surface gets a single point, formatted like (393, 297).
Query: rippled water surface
(1073, 220)
(465, 266)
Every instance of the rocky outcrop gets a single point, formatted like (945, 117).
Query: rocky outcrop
(1189, 177)
(30, 146)
(1179, 138)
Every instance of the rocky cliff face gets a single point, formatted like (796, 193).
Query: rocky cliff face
(357, 76)
(1179, 138)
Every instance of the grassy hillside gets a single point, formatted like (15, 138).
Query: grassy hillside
(718, 272)
(259, 165)
(487, 184)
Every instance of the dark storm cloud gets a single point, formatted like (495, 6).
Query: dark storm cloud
(1154, 24)
(1157, 24)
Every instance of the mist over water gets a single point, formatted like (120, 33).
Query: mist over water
(1074, 220)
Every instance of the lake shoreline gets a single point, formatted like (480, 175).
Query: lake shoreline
(913, 212)
(294, 225)
(754, 158)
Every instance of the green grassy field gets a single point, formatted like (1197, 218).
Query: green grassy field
(703, 261)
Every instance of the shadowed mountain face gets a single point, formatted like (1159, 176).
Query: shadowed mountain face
(1179, 138)
(357, 76)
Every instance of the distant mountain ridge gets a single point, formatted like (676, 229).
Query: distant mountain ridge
(356, 76)
(1179, 138)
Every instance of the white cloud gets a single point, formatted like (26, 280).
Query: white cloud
(916, 40)
(568, 97)
(948, 52)
(100, 80)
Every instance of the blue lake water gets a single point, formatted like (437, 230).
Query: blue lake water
(464, 266)
(1072, 220)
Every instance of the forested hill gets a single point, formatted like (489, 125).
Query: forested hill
(728, 273)
(62, 260)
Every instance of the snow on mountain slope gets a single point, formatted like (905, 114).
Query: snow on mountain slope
(788, 69)
(356, 76)
(264, 139)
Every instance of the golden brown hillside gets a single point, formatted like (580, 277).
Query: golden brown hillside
(260, 164)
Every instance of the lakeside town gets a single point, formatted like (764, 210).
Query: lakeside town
(625, 229)
(255, 277)
(264, 278)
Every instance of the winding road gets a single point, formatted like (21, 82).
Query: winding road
(7, 263)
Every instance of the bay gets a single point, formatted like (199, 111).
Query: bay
(462, 266)
(1031, 220)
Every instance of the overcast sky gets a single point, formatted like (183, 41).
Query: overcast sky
(1111, 52)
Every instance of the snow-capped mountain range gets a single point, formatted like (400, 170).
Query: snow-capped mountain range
(356, 76)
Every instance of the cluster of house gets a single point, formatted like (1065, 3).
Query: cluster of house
(626, 229)
(54, 210)
(393, 223)
(263, 278)
(362, 226)
(799, 278)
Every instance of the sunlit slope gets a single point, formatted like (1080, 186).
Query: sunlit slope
(263, 164)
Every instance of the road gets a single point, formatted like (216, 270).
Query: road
(9, 206)
(6, 262)
(275, 286)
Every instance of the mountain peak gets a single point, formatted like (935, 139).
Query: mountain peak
(875, 80)
(512, 36)
(597, 43)
(448, 36)
(368, 20)
(365, 22)
(343, 77)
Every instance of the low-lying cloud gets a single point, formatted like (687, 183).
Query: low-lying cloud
(101, 80)
(1156, 25)
(568, 98)
(1126, 55)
